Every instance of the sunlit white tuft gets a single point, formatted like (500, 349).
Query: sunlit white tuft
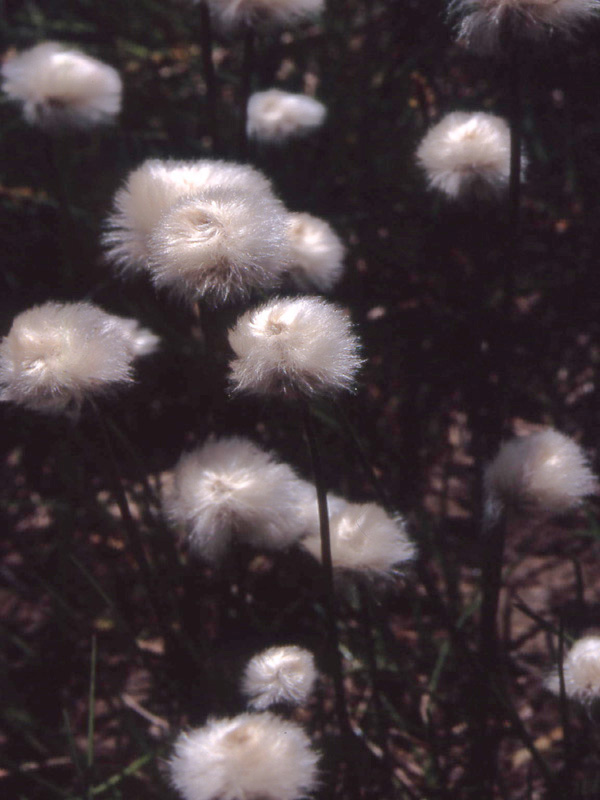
(279, 675)
(581, 671)
(230, 13)
(61, 88)
(231, 488)
(152, 189)
(58, 354)
(467, 153)
(274, 116)
(247, 757)
(545, 471)
(302, 345)
(364, 538)
(317, 253)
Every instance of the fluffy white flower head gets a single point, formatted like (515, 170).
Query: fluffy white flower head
(304, 345)
(364, 538)
(58, 354)
(317, 253)
(279, 675)
(581, 671)
(484, 20)
(247, 757)
(231, 13)
(231, 488)
(466, 153)
(546, 471)
(274, 116)
(60, 88)
(220, 244)
(152, 189)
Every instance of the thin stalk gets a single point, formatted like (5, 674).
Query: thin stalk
(248, 60)
(564, 707)
(368, 624)
(210, 77)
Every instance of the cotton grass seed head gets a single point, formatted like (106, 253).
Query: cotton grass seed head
(317, 253)
(279, 675)
(546, 471)
(220, 244)
(152, 189)
(581, 671)
(230, 488)
(231, 13)
(247, 757)
(364, 539)
(467, 154)
(275, 116)
(58, 354)
(483, 21)
(60, 88)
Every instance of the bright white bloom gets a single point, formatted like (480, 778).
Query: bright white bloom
(58, 354)
(247, 757)
(581, 671)
(484, 20)
(220, 244)
(303, 345)
(231, 13)
(364, 538)
(317, 253)
(545, 471)
(152, 189)
(279, 675)
(467, 153)
(274, 116)
(61, 88)
(231, 488)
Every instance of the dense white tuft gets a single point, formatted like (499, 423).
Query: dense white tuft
(231, 488)
(467, 153)
(61, 88)
(484, 20)
(274, 116)
(279, 675)
(58, 354)
(302, 345)
(220, 244)
(152, 189)
(317, 253)
(231, 13)
(364, 538)
(248, 757)
(545, 471)
(581, 671)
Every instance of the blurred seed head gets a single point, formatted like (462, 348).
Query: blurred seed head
(317, 253)
(275, 116)
(581, 671)
(279, 675)
(232, 13)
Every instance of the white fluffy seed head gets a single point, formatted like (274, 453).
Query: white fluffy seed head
(231, 13)
(484, 20)
(231, 488)
(467, 154)
(58, 354)
(220, 244)
(248, 757)
(303, 345)
(279, 675)
(364, 538)
(152, 189)
(274, 116)
(317, 253)
(581, 671)
(60, 88)
(546, 471)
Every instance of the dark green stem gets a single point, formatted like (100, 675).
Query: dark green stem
(210, 77)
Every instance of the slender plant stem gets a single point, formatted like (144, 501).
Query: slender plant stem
(210, 77)
(564, 707)
(246, 85)
(368, 624)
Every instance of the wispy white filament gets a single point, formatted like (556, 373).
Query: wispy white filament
(317, 253)
(279, 675)
(274, 116)
(302, 345)
(58, 354)
(231, 488)
(581, 671)
(62, 88)
(231, 13)
(248, 757)
(467, 153)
